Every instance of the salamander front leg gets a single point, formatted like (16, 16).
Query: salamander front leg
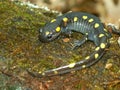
(78, 43)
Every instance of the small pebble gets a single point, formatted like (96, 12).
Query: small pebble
(119, 41)
(108, 66)
(66, 40)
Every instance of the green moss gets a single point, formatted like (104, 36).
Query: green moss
(20, 48)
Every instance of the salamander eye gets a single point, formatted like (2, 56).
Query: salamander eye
(49, 36)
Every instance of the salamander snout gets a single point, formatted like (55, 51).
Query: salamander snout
(47, 35)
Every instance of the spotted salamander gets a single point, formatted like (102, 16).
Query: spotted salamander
(91, 28)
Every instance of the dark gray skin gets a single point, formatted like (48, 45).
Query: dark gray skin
(92, 29)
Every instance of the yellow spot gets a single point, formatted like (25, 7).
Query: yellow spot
(97, 48)
(39, 72)
(55, 72)
(75, 19)
(105, 30)
(90, 20)
(96, 25)
(102, 45)
(53, 20)
(101, 35)
(87, 57)
(58, 29)
(65, 19)
(86, 38)
(43, 74)
(83, 66)
(86, 33)
(106, 34)
(84, 17)
(47, 32)
(96, 55)
(71, 65)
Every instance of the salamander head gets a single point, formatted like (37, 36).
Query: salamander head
(49, 32)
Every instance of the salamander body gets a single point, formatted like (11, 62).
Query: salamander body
(92, 29)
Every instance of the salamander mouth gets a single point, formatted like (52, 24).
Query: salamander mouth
(48, 38)
(53, 37)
